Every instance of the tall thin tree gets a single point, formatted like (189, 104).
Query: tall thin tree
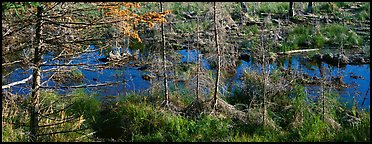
(218, 60)
(264, 77)
(166, 95)
(310, 7)
(34, 122)
(290, 12)
(199, 51)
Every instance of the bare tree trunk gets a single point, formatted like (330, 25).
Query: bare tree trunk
(365, 96)
(244, 7)
(219, 59)
(127, 40)
(310, 7)
(290, 12)
(322, 88)
(164, 60)
(34, 121)
(264, 79)
(198, 48)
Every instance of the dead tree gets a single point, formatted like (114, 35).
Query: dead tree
(166, 95)
(264, 78)
(244, 7)
(66, 39)
(199, 51)
(218, 60)
(34, 121)
(310, 7)
(291, 12)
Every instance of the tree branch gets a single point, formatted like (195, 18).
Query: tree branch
(17, 83)
(82, 86)
(61, 132)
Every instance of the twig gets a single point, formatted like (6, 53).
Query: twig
(62, 122)
(61, 132)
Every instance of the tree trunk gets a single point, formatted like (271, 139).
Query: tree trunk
(164, 60)
(244, 7)
(310, 7)
(264, 79)
(34, 121)
(218, 61)
(290, 12)
(199, 51)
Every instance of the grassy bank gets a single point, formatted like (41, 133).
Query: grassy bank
(137, 118)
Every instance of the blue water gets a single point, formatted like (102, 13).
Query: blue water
(92, 75)
(192, 56)
(135, 82)
(357, 87)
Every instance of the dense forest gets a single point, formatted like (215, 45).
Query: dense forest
(185, 71)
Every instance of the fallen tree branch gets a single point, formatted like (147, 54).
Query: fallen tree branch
(82, 86)
(80, 64)
(296, 51)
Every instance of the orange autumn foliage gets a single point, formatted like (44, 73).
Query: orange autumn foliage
(125, 12)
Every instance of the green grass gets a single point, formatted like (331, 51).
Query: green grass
(190, 27)
(135, 119)
(271, 7)
(363, 12)
(199, 8)
(331, 35)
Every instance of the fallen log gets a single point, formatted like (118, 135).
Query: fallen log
(296, 51)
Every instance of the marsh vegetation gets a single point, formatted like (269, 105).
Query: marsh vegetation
(186, 71)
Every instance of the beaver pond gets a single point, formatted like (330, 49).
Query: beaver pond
(355, 78)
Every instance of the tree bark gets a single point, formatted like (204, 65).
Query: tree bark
(244, 7)
(310, 7)
(166, 96)
(290, 12)
(34, 121)
(218, 61)
(199, 51)
(264, 80)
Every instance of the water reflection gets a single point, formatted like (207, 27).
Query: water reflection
(134, 81)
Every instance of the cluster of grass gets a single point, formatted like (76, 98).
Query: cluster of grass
(190, 27)
(178, 8)
(327, 35)
(16, 126)
(271, 7)
(133, 119)
(363, 12)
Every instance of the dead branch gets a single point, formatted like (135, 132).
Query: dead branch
(296, 51)
(61, 132)
(17, 83)
(58, 123)
(82, 86)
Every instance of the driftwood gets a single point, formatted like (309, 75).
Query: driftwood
(296, 51)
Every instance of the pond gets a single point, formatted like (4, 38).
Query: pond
(357, 91)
